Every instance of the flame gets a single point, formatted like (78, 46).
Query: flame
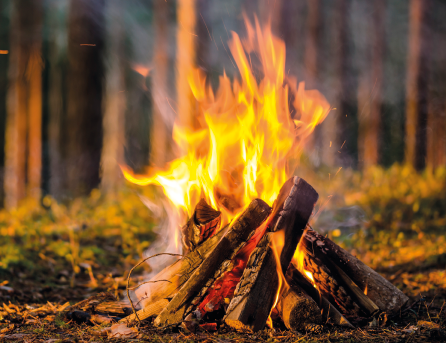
(298, 260)
(365, 290)
(248, 130)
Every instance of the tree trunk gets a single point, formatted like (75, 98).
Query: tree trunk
(83, 129)
(113, 124)
(160, 133)
(416, 85)
(370, 91)
(185, 61)
(4, 58)
(24, 109)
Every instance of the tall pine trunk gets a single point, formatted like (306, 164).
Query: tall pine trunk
(23, 149)
(416, 85)
(370, 89)
(159, 134)
(185, 60)
(114, 108)
(83, 126)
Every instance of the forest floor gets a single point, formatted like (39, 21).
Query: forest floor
(53, 255)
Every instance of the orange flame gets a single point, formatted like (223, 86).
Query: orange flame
(298, 260)
(247, 132)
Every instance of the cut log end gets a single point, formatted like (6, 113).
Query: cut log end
(298, 310)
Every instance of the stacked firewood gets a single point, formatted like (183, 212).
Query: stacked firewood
(244, 273)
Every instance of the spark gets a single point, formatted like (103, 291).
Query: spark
(4, 52)
(227, 34)
(206, 26)
(88, 44)
(227, 52)
(338, 171)
(170, 105)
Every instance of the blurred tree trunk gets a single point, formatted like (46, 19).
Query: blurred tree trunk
(113, 121)
(4, 51)
(159, 134)
(83, 127)
(24, 110)
(436, 127)
(370, 89)
(185, 58)
(57, 53)
(311, 69)
(416, 85)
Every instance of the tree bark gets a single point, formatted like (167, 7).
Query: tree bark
(239, 232)
(113, 124)
(416, 85)
(186, 19)
(24, 105)
(370, 91)
(83, 126)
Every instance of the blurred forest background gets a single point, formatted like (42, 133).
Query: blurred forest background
(85, 85)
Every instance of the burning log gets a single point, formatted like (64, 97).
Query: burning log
(298, 310)
(237, 235)
(176, 274)
(203, 224)
(332, 281)
(329, 312)
(257, 290)
(386, 296)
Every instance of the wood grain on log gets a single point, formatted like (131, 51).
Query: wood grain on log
(151, 310)
(257, 290)
(237, 235)
(330, 314)
(332, 282)
(386, 296)
(204, 222)
(298, 310)
(177, 273)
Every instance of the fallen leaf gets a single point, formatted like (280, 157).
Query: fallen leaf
(428, 325)
(122, 331)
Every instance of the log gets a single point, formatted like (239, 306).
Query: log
(256, 292)
(330, 313)
(386, 296)
(298, 310)
(177, 273)
(332, 282)
(203, 224)
(151, 310)
(237, 235)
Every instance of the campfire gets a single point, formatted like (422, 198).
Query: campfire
(249, 255)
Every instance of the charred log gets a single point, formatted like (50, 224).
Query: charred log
(386, 296)
(203, 224)
(330, 314)
(257, 289)
(237, 235)
(332, 282)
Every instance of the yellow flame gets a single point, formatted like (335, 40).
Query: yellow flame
(246, 133)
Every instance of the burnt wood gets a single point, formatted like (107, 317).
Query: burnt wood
(330, 314)
(255, 293)
(204, 222)
(177, 273)
(386, 296)
(332, 282)
(237, 235)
